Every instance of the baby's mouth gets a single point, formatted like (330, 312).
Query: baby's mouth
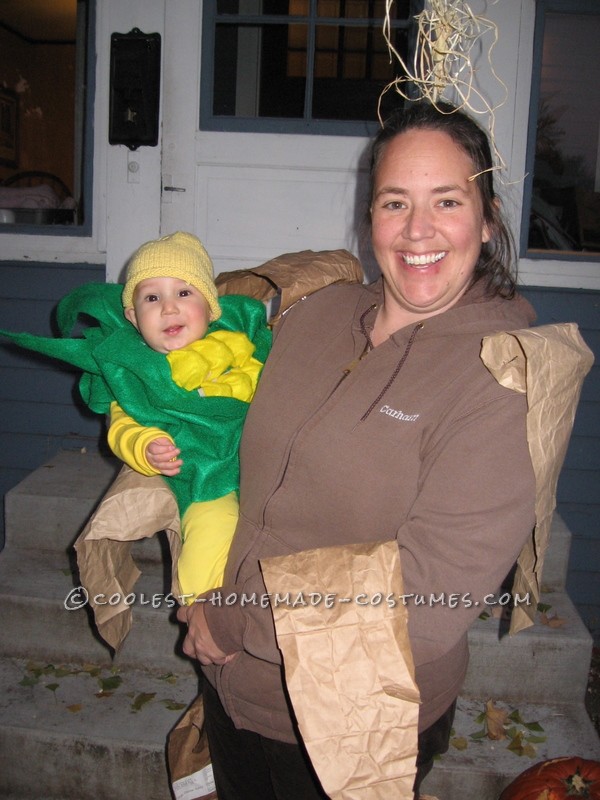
(173, 330)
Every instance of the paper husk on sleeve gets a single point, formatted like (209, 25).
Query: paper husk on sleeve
(134, 507)
(292, 276)
(348, 666)
(548, 364)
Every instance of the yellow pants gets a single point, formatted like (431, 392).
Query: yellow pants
(207, 530)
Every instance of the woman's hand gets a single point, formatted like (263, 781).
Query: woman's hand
(199, 642)
(162, 454)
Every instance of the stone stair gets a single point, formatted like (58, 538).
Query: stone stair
(541, 673)
(77, 724)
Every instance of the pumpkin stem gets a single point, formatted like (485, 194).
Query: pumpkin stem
(576, 785)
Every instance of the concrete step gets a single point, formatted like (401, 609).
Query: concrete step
(47, 509)
(65, 734)
(37, 593)
(55, 729)
(485, 767)
(556, 559)
(57, 724)
(539, 662)
(37, 577)
(36, 588)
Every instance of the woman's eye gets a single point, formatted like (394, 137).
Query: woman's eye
(448, 203)
(394, 205)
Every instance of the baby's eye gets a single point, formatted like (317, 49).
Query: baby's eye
(151, 298)
(185, 293)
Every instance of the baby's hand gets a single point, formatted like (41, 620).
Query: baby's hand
(162, 454)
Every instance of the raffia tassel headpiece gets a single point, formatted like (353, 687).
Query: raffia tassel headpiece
(442, 65)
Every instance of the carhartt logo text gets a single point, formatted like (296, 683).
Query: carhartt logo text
(392, 412)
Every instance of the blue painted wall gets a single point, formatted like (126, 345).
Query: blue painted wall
(578, 494)
(41, 411)
(40, 408)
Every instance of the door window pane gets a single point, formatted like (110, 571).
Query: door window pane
(565, 181)
(326, 63)
(43, 72)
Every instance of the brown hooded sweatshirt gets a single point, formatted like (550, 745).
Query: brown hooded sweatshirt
(416, 442)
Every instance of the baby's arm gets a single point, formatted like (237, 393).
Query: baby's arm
(149, 451)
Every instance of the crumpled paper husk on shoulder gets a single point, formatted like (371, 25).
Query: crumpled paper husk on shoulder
(548, 364)
(137, 507)
(291, 277)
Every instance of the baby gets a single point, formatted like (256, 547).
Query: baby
(176, 368)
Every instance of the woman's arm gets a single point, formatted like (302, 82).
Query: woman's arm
(474, 511)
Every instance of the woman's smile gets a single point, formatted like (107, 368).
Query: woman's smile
(424, 260)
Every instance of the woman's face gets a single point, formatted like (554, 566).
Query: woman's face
(427, 224)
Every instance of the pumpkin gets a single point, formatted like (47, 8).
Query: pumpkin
(556, 779)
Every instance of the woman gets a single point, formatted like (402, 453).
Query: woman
(376, 419)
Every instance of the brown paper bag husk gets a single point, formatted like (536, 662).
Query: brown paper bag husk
(134, 507)
(188, 757)
(548, 364)
(293, 276)
(348, 667)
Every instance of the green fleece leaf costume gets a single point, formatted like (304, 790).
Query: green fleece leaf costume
(119, 366)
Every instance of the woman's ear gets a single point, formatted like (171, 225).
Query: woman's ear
(486, 232)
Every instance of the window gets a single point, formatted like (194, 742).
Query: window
(46, 71)
(300, 66)
(562, 189)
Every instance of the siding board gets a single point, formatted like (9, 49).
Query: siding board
(583, 453)
(578, 491)
(39, 403)
(49, 385)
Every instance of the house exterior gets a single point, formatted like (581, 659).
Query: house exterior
(250, 197)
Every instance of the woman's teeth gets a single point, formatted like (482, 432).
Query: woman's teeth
(423, 260)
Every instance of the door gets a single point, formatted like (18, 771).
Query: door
(248, 196)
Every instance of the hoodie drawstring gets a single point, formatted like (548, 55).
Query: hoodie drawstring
(399, 366)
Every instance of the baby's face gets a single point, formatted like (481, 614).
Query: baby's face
(169, 313)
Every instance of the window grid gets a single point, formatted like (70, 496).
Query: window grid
(322, 47)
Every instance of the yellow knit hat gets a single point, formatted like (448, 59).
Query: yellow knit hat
(178, 255)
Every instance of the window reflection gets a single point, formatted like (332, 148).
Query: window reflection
(42, 65)
(565, 203)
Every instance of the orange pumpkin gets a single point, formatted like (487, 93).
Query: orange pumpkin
(556, 779)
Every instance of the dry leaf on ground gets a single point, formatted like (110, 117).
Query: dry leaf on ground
(496, 719)
(552, 622)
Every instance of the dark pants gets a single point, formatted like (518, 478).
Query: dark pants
(248, 766)
(434, 741)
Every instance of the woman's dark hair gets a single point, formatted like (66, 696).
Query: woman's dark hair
(496, 264)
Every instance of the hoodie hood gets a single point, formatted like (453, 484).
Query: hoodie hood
(476, 311)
